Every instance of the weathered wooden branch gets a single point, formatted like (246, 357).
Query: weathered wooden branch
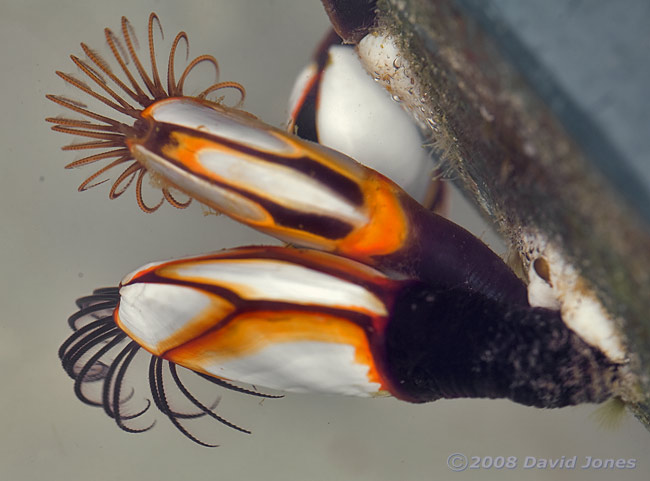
(518, 147)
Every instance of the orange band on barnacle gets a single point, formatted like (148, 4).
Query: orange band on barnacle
(129, 95)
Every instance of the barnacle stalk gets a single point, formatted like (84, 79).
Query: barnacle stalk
(128, 91)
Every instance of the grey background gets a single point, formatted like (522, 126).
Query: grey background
(58, 245)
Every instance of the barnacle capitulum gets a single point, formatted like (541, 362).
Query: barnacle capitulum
(556, 283)
(128, 90)
(336, 103)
